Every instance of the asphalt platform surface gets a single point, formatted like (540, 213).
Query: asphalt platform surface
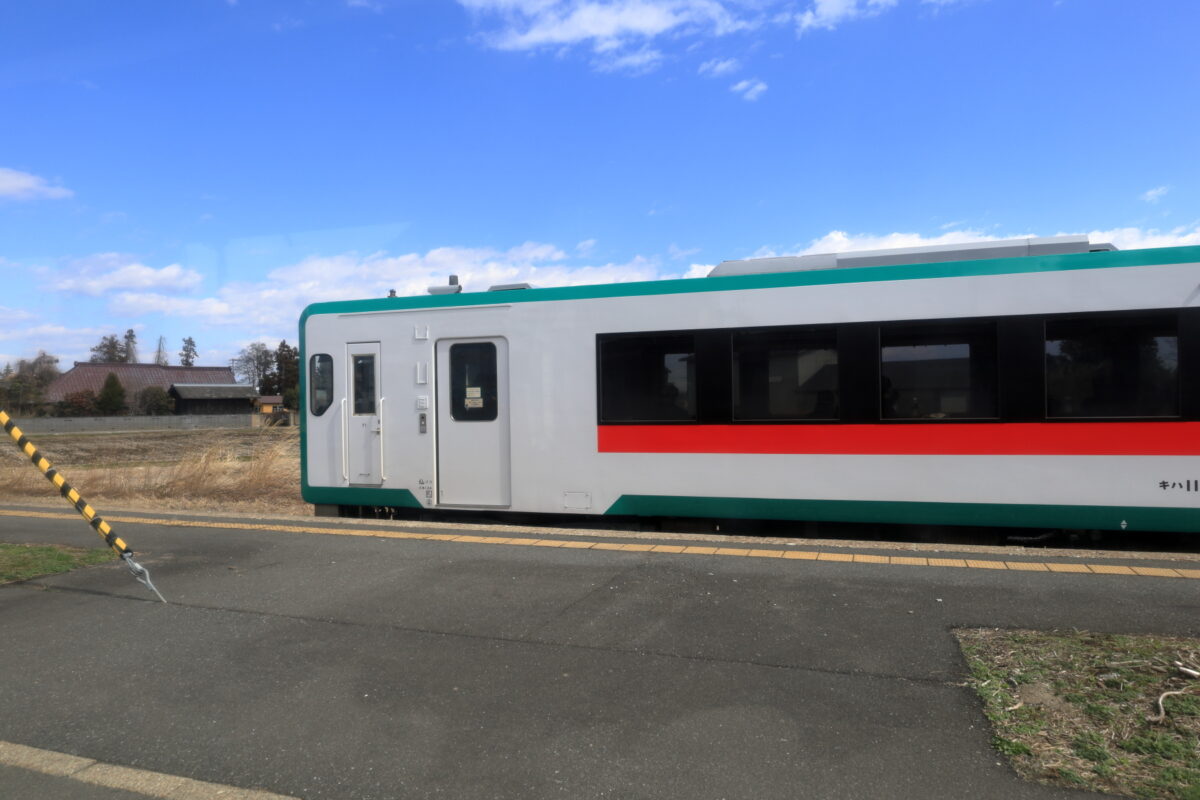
(356, 666)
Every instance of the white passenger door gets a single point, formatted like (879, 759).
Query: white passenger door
(364, 427)
(472, 422)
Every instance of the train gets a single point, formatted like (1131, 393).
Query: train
(1041, 383)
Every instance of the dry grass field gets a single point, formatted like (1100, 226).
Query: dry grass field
(256, 470)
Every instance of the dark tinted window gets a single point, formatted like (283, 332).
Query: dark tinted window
(785, 375)
(320, 383)
(938, 371)
(648, 378)
(1112, 367)
(473, 382)
(364, 384)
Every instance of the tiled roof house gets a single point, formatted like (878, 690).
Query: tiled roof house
(133, 377)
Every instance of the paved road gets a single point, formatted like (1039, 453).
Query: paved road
(323, 666)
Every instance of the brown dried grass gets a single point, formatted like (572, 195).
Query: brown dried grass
(185, 471)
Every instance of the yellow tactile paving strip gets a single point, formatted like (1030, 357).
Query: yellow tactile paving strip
(137, 781)
(641, 547)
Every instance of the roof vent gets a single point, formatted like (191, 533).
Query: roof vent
(508, 287)
(451, 288)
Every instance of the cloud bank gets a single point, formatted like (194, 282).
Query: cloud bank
(19, 185)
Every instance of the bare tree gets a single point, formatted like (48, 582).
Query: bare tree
(160, 355)
(255, 365)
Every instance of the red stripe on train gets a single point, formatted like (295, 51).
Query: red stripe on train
(953, 439)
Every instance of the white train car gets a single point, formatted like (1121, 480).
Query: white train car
(1048, 383)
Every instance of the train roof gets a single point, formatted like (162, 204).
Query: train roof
(927, 254)
(953, 262)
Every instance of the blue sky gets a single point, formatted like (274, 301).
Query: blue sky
(206, 168)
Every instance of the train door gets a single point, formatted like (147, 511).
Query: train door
(472, 422)
(364, 423)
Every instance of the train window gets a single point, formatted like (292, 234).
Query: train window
(473, 382)
(785, 375)
(1113, 366)
(938, 371)
(320, 383)
(648, 378)
(364, 384)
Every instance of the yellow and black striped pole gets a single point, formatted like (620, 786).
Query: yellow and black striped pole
(103, 528)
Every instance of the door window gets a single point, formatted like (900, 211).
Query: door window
(364, 384)
(473, 382)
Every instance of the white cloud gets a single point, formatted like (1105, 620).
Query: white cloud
(106, 272)
(618, 31)
(828, 14)
(271, 307)
(842, 242)
(585, 247)
(1155, 194)
(50, 334)
(677, 252)
(11, 315)
(26, 186)
(69, 344)
(631, 34)
(750, 89)
(636, 62)
(718, 67)
(1137, 238)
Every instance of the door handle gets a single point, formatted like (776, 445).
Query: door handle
(345, 444)
(382, 443)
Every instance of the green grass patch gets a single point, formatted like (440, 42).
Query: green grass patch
(1080, 709)
(19, 562)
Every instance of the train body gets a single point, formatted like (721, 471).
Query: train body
(1042, 383)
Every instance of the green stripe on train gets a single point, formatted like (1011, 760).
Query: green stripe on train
(359, 496)
(985, 514)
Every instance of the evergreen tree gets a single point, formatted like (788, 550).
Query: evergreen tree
(109, 351)
(154, 401)
(287, 368)
(131, 353)
(187, 356)
(111, 400)
(5, 385)
(22, 389)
